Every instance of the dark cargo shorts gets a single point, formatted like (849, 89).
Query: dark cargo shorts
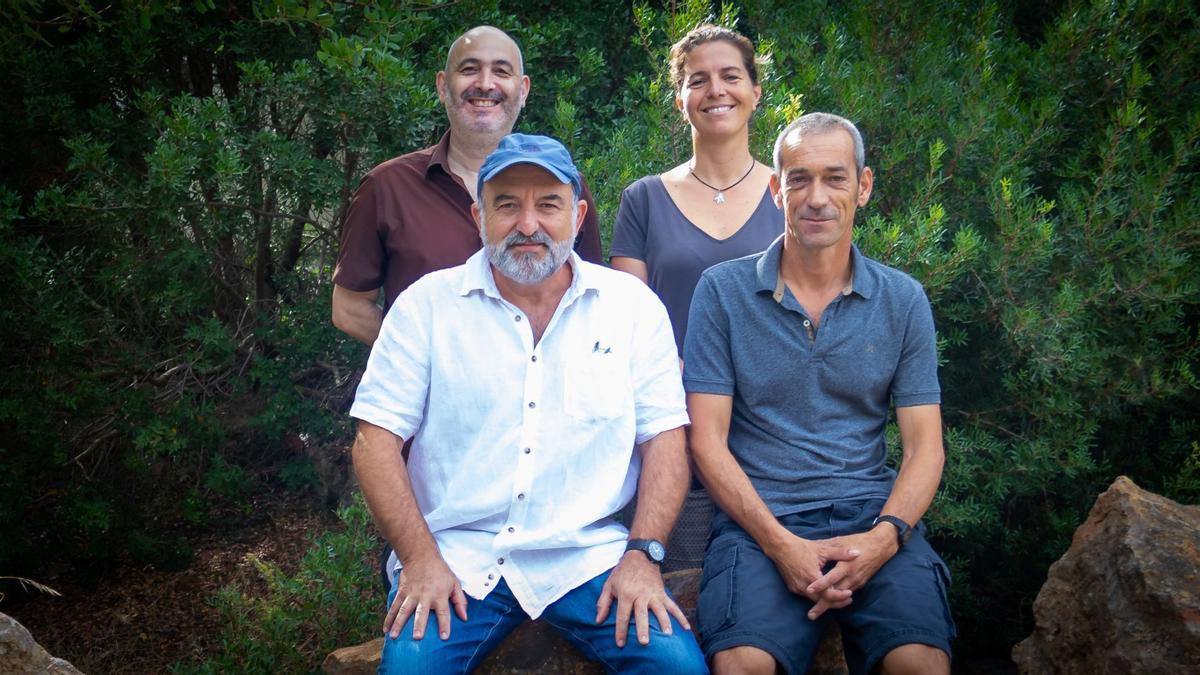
(744, 602)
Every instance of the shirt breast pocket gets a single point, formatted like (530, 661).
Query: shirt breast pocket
(597, 384)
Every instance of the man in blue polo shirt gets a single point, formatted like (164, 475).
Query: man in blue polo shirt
(792, 358)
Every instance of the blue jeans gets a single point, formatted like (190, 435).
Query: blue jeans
(490, 620)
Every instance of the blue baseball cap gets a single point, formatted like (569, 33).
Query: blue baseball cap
(540, 151)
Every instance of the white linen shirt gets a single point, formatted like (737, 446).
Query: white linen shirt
(521, 453)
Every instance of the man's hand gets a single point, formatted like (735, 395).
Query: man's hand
(875, 547)
(636, 584)
(425, 586)
(800, 562)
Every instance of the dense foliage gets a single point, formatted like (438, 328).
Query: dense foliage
(175, 175)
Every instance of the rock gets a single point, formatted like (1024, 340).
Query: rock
(19, 653)
(357, 660)
(1125, 598)
(535, 647)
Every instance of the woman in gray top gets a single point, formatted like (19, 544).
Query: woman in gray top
(714, 207)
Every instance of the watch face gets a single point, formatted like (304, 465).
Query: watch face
(656, 551)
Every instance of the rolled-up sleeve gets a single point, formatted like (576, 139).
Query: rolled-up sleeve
(658, 391)
(395, 385)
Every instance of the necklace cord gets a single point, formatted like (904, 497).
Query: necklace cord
(735, 183)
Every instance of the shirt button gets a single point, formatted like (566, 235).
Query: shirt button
(491, 576)
(807, 323)
(512, 529)
(533, 358)
(521, 496)
(486, 584)
(500, 561)
(517, 318)
(528, 450)
(532, 404)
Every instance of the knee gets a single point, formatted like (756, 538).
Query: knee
(400, 655)
(406, 655)
(915, 659)
(743, 661)
(677, 653)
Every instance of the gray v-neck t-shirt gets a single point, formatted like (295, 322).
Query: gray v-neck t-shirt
(651, 228)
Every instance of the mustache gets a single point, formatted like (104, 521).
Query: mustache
(475, 92)
(518, 239)
(826, 214)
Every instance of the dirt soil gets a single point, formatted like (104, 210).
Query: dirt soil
(143, 620)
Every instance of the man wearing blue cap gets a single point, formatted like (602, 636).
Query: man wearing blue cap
(525, 378)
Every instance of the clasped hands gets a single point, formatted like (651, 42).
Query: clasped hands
(856, 558)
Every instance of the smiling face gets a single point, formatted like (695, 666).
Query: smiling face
(528, 222)
(717, 94)
(819, 188)
(483, 86)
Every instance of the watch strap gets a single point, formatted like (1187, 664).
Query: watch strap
(903, 529)
(653, 549)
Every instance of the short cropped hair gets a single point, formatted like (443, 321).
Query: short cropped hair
(821, 123)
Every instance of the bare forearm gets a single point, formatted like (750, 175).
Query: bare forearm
(915, 486)
(383, 477)
(732, 491)
(357, 314)
(662, 485)
(921, 469)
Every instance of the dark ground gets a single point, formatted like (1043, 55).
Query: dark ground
(143, 620)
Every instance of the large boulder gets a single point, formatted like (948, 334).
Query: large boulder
(20, 653)
(535, 647)
(1125, 598)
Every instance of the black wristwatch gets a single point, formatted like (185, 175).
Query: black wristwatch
(653, 549)
(903, 529)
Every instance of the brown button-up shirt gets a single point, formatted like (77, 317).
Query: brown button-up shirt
(411, 216)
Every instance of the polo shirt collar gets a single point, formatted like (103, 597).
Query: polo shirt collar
(770, 281)
(477, 276)
(862, 281)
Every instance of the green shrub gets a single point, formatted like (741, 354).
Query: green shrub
(333, 600)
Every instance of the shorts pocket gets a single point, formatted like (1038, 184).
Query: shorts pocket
(941, 573)
(716, 607)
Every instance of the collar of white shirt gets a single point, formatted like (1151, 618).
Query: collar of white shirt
(478, 276)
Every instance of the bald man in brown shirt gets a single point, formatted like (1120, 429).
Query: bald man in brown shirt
(412, 215)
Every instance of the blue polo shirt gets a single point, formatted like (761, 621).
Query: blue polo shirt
(810, 405)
